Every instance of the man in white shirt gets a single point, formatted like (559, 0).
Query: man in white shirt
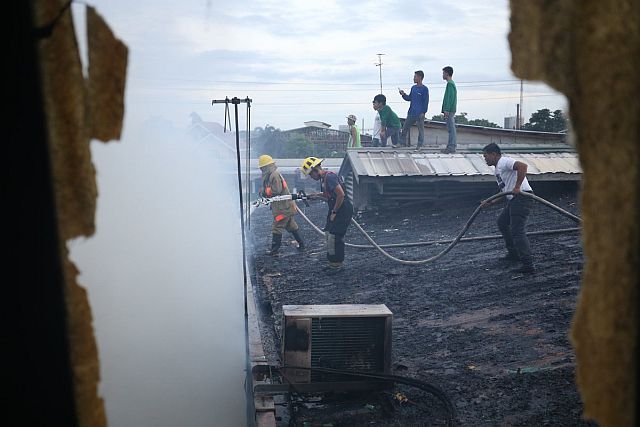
(511, 175)
(376, 130)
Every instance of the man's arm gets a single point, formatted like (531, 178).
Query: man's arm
(276, 184)
(447, 103)
(339, 199)
(316, 196)
(383, 122)
(521, 169)
(354, 136)
(425, 106)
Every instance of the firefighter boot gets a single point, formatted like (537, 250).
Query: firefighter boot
(298, 237)
(276, 241)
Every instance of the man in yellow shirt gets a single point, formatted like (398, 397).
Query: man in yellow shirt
(354, 132)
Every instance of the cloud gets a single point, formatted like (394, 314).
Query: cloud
(306, 60)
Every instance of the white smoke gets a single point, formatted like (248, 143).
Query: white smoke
(164, 277)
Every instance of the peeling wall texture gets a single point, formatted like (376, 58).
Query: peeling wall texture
(77, 111)
(590, 51)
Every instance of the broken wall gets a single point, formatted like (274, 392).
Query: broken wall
(77, 111)
(590, 51)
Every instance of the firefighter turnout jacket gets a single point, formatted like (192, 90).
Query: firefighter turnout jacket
(274, 184)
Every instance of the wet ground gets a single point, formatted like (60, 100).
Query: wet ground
(496, 342)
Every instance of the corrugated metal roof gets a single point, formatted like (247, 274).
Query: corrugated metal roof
(402, 163)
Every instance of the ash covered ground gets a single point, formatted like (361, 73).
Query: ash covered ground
(494, 341)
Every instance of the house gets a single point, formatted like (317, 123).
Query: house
(326, 142)
(375, 176)
(471, 137)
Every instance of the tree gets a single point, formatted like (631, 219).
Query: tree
(267, 140)
(483, 122)
(462, 119)
(297, 146)
(545, 121)
(276, 143)
(458, 118)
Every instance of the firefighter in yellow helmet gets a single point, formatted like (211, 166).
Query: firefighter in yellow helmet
(274, 184)
(340, 208)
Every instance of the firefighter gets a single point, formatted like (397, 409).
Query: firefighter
(340, 208)
(273, 184)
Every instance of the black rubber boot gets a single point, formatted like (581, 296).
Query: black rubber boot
(298, 237)
(276, 241)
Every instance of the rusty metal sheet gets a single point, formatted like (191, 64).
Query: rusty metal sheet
(398, 163)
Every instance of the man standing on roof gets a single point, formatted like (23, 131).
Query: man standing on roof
(376, 130)
(273, 184)
(340, 208)
(389, 121)
(449, 104)
(419, 103)
(511, 175)
(354, 132)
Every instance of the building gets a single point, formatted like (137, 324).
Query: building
(510, 122)
(318, 124)
(473, 138)
(375, 177)
(326, 142)
(213, 134)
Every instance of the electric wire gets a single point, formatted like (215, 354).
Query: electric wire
(452, 243)
(324, 89)
(306, 83)
(422, 385)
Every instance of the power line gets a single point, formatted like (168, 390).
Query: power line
(402, 103)
(194, 89)
(307, 83)
(255, 102)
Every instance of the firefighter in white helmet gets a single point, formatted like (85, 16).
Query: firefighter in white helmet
(340, 208)
(274, 184)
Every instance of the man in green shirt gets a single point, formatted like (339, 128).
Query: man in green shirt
(449, 102)
(389, 121)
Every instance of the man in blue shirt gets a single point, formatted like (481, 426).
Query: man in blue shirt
(419, 102)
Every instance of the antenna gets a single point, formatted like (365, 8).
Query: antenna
(379, 64)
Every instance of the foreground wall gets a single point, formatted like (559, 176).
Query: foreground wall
(590, 51)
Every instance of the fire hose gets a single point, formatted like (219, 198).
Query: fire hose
(422, 385)
(452, 243)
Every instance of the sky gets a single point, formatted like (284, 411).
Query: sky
(299, 61)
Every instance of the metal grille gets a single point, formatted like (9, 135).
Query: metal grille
(349, 343)
(348, 182)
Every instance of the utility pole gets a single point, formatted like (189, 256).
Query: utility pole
(521, 113)
(379, 64)
(235, 101)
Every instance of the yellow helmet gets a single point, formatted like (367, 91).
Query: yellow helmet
(310, 163)
(265, 160)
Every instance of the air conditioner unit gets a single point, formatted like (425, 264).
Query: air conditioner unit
(350, 337)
